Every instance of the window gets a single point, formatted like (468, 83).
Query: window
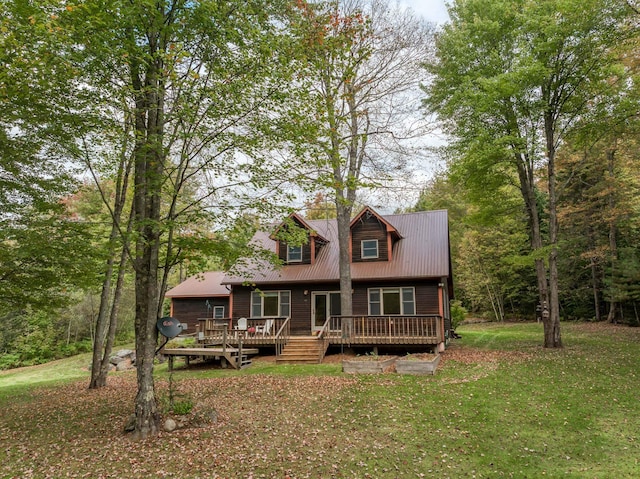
(392, 301)
(270, 304)
(369, 249)
(218, 312)
(294, 254)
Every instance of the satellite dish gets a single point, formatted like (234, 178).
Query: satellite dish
(170, 327)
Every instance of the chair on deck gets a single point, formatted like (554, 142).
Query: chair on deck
(241, 328)
(265, 328)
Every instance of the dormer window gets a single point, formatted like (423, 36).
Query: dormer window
(294, 254)
(369, 249)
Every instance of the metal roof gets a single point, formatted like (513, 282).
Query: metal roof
(199, 286)
(423, 252)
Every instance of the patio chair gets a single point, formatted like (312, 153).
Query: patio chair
(242, 324)
(241, 328)
(265, 328)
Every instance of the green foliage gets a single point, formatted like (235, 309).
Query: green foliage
(9, 361)
(42, 254)
(36, 337)
(489, 243)
(182, 407)
(514, 80)
(181, 343)
(458, 313)
(320, 208)
(174, 402)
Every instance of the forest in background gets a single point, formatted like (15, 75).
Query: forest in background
(65, 184)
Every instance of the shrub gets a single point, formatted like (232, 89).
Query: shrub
(8, 361)
(458, 313)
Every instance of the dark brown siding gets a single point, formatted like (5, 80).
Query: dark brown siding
(241, 302)
(300, 306)
(426, 295)
(369, 229)
(300, 311)
(188, 310)
(306, 252)
(426, 300)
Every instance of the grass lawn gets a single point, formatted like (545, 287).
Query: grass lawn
(499, 406)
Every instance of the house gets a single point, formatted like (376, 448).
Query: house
(200, 296)
(401, 284)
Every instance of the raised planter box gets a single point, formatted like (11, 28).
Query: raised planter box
(418, 364)
(368, 365)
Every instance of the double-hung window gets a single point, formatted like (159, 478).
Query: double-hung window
(218, 312)
(392, 301)
(294, 254)
(270, 304)
(369, 249)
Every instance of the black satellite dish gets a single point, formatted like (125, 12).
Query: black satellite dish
(169, 327)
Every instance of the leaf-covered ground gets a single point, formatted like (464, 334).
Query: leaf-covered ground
(499, 406)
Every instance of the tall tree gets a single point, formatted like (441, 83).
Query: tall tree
(362, 59)
(599, 219)
(36, 234)
(188, 93)
(512, 79)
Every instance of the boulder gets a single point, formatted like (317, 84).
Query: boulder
(124, 365)
(123, 359)
(170, 425)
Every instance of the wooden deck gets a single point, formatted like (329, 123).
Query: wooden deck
(234, 356)
(384, 330)
(341, 330)
(223, 339)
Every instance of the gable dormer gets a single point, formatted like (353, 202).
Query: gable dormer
(291, 252)
(372, 237)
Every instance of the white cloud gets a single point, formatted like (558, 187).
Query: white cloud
(432, 10)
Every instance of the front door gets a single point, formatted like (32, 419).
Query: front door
(325, 304)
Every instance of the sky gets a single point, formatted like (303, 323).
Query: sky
(431, 10)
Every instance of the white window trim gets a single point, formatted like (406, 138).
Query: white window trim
(362, 255)
(218, 308)
(262, 294)
(289, 260)
(381, 293)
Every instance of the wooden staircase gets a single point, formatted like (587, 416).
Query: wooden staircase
(302, 350)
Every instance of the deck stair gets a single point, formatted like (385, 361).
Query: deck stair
(302, 350)
(243, 362)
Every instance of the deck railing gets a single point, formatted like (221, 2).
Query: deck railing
(259, 331)
(282, 336)
(401, 329)
(385, 329)
(323, 335)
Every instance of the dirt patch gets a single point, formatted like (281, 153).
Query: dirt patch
(476, 356)
(369, 357)
(419, 357)
(338, 358)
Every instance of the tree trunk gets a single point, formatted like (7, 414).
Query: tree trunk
(149, 154)
(596, 290)
(105, 329)
(527, 188)
(96, 380)
(552, 338)
(344, 236)
(613, 244)
(146, 409)
(101, 379)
